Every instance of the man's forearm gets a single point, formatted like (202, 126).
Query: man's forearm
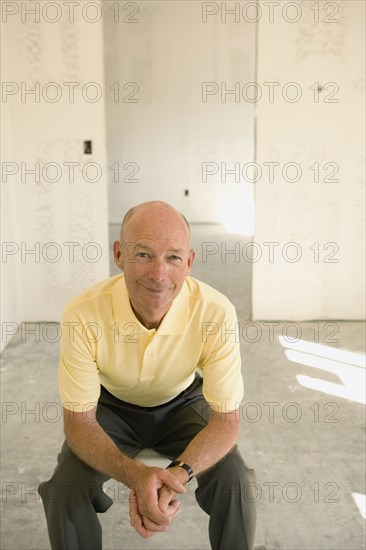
(93, 446)
(212, 443)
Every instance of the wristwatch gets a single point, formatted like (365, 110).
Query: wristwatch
(187, 468)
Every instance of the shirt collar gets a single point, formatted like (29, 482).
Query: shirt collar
(174, 321)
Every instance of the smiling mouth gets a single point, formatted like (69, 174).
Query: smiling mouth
(155, 290)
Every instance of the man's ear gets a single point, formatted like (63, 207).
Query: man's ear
(117, 254)
(191, 257)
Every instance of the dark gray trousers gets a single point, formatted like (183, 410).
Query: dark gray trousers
(74, 495)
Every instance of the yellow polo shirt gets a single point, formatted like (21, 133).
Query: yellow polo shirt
(103, 343)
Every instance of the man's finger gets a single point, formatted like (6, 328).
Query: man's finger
(152, 526)
(174, 510)
(132, 506)
(136, 519)
(167, 502)
(172, 482)
(165, 497)
(141, 529)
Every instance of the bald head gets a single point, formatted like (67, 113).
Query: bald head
(156, 212)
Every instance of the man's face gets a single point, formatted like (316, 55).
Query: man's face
(155, 258)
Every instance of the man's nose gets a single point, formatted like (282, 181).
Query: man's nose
(158, 271)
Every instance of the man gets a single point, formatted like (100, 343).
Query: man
(130, 350)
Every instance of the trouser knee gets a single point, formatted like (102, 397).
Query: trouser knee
(74, 483)
(229, 481)
(70, 494)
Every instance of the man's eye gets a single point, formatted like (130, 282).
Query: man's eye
(175, 257)
(142, 254)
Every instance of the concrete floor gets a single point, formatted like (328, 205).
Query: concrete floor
(305, 443)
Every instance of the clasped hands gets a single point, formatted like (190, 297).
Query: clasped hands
(152, 502)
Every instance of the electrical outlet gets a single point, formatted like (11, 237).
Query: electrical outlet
(88, 148)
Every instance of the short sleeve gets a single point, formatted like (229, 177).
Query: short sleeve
(78, 374)
(223, 385)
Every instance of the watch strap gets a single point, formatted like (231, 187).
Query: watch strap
(183, 465)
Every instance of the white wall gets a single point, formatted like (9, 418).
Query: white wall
(35, 214)
(170, 131)
(306, 132)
